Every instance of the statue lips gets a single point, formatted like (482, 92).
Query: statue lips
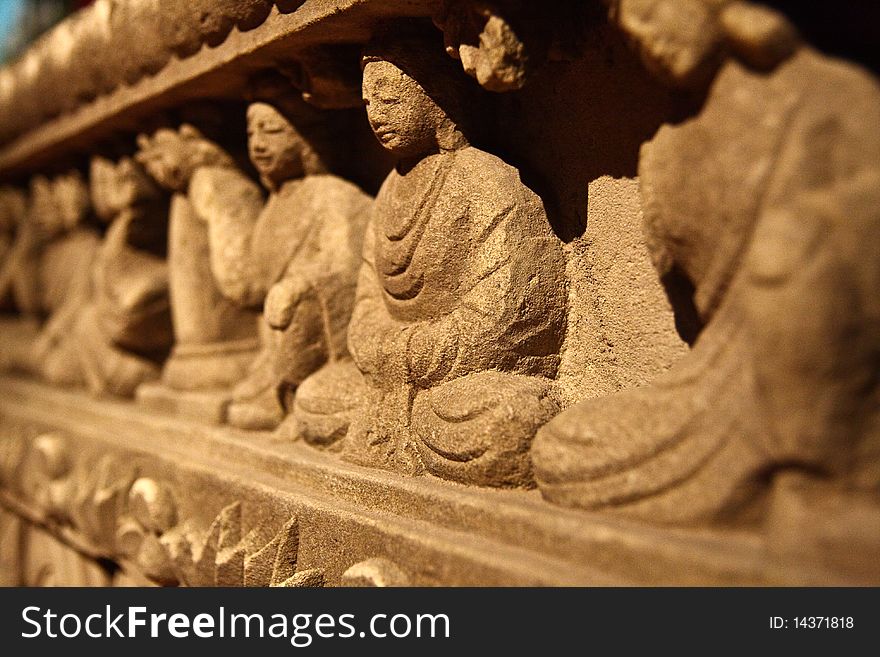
(383, 132)
(262, 159)
(386, 136)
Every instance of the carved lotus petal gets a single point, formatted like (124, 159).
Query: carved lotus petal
(52, 455)
(152, 505)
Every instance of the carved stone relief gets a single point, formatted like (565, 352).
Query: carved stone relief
(492, 314)
(184, 27)
(168, 553)
(48, 562)
(782, 375)
(102, 508)
(214, 338)
(376, 572)
(293, 255)
(58, 248)
(143, 35)
(502, 44)
(460, 306)
(13, 206)
(104, 300)
(684, 41)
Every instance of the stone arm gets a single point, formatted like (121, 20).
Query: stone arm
(332, 288)
(510, 317)
(511, 300)
(374, 336)
(230, 203)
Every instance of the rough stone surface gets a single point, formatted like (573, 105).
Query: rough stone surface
(215, 338)
(783, 372)
(365, 266)
(460, 308)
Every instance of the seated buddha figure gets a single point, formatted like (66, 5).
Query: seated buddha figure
(62, 242)
(124, 330)
(461, 299)
(130, 276)
(777, 244)
(293, 255)
(215, 340)
(57, 248)
(108, 331)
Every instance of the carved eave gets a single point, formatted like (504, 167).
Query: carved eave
(433, 531)
(212, 72)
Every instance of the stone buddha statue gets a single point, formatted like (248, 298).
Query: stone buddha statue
(777, 244)
(215, 339)
(293, 255)
(113, 325)
(50, 269)
(461, 300)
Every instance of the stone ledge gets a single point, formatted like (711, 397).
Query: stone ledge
(212, 72)
(434, 531)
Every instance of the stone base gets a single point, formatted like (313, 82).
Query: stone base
(201, 405)
(262, 497)
(202, 367)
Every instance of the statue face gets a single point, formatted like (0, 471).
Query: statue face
(274, 145)
(403, 117)
(115, 187)
(166, 158)
(172, 156)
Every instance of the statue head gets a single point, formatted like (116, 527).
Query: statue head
(285, 134)
(683, 42)
(417, 102)
(172, 156)
(116, 186)
(275, 146)
(58, 205)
